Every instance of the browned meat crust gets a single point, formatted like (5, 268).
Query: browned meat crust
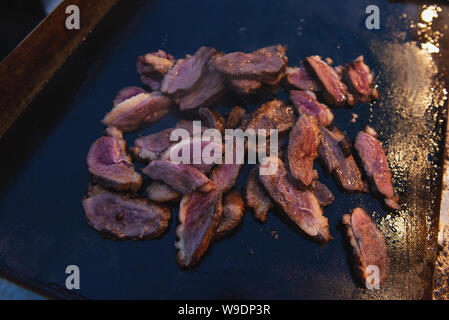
(160, 192)
(256, 196)
(273, 115)
(212, 119)
(110, 165)
(305, 102)
(235, 117)
(298, 78)
(368, 245)
(359, 78)
(120, 217)
(301, 207)
(233, 210)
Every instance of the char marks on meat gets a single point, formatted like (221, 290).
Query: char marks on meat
(299, 78)
(181, 177)
(134, 108)
(212, 119)
(152, 68)
(306, 103)
(375, 163)
(368, 245)
(121, 217)
(234, 118)
(256, 196)
(302, 148)
(244, 86)
(275, 114)
(199, 215)
(333, 90)
(324, 196)
(359, 79)
(233, 211)
(343, 168)
(187, 72)
(110, 165)
(160, 192)
(301, 207)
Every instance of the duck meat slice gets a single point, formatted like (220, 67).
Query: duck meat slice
(212, 119)
(304, 102)
(333, 90)
(338, 162)
(152, 68)
(134, 108)
(121, 217)
(199, 215)
(375, 163)
(359, 78)
(274, 114)
(302, 148)
(110, 165)
(244, 86)
(181, 177)
(368, 247)
(300, 79)
(187, 72)
(160, 192)
(324, 196)
(234, 118)
(256, 196)
(301, 207)
(233, 211)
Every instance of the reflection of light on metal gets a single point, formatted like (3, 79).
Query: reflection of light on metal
(430, 48)
(429, 14)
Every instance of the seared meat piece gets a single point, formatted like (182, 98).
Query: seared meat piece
(212, 119)
(134, 107)
(344, 168)
(121, 217)
(110, 165)
(187, 72)
(199, 215)
(225, 175)
(302, 207)
(273, 115)
(256, 196)
(324, 196)
(160, 192)
(234, 117)
(206, 92)
(262, 65)
(233, 211)
(368, 246)
(244, 86)
(306, 103)
(359, 79)
(375, 163)
(181, 177)
(152, 68)
(302, 148)
(298, 78)
(333, 90)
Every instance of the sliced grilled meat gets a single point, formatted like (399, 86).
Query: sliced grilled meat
(302, 148)
(344, 168)
(120, 217)
(359, 79)
(333, 90)
(244, 86)
(275, 114)
(301, 207)
(152, 68)
(324, 196)
(306, 103)
(212, 119)
(256, 196)
(233, 211)
(375, 163)
(110, 165)
(235, 117)
(368, 246)
(160, 192)
(181, 177)
(299, 78)
(134, 108)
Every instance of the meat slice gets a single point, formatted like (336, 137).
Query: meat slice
(212, 119)
(235, 117)
(160, 192)
(338, 162)
(333, 90)
(274, 114)
(187, 72)
(359, 78)
(302, 148)
(368, 247)
(152, 68)
(110, 165)
(199, 215)
(324, 196)
(301, 207)
(299, 78)
(233, 211)
(256, 196)
(206, 92)
(244, 86)
(375, 163)
(262, 65)
(134, 107)
(181, 177)
(121, 217)
(306, 103)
